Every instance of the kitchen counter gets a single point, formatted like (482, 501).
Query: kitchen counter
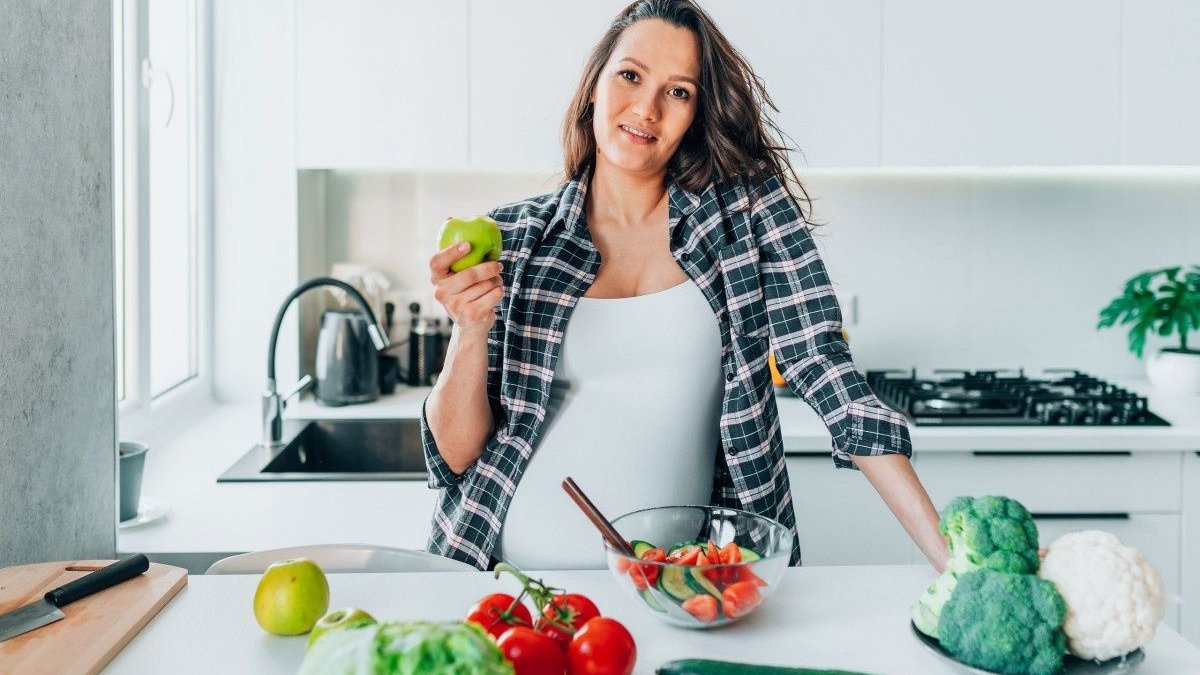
(836, 617)
(804, 431)
(206, 516)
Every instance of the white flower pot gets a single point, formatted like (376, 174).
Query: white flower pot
(1175, 371)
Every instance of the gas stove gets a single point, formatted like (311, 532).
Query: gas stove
(1010, 398)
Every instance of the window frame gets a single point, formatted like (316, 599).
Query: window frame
(142, 416)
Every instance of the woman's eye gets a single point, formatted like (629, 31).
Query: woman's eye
(628, 75)
(681, 93)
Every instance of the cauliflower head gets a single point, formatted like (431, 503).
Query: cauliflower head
(1114, 597)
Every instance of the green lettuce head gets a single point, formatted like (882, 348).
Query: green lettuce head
(406, 648)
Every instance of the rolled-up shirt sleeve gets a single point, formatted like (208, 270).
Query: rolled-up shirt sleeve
(440, 474)
(806, 334)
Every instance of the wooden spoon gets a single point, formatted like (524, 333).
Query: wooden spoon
(589, 509)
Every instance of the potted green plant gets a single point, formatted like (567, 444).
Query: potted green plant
(1162, 302)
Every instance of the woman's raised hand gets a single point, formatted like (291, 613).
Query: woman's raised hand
(470, 296)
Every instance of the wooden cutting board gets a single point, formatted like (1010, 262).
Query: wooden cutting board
(94, 629)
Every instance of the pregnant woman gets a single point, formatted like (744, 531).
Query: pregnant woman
(622, 339)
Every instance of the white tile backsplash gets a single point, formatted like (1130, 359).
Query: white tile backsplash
(950, 269)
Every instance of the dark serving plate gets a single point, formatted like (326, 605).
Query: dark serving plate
(1072, 665)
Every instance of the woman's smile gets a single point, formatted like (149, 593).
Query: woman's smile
(637, 135)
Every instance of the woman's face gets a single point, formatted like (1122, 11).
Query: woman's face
(645, 98)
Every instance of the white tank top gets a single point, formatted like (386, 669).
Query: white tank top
(634, 418)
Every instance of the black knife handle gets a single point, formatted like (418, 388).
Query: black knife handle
(105, 577)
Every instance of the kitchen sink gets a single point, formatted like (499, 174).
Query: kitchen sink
(336, 450)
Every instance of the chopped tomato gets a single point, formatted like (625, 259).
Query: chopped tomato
(713, 553)
(730, 553)
(647, 575)
(748, 574)
(686, 556)
(701, 606)
(740, 598)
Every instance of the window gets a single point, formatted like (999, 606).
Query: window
(161, 206)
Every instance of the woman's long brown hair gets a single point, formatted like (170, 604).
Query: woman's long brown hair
(731, 134)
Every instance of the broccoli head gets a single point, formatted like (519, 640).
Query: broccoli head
(995, 533)
(1007, 623)
(992, 532)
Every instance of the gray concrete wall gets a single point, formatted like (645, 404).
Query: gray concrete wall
(57, 403)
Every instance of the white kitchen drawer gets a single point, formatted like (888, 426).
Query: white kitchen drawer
(1046, 482)
(840, 518)
(1155, 535)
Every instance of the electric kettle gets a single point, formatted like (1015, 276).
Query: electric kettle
(347, 366)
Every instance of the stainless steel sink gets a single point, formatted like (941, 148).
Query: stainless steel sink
(383, 449)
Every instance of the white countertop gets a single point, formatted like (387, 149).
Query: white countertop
(834, 617)
(206, 516)
(804, 431)
(232, 517)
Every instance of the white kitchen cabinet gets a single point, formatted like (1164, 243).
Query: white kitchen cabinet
(1190, 623)
(1160, 97)
(1058, 482)
(525, 63)
(381, 84)
(402, 84)
(820, 62)
(998, 83)
(840, 518)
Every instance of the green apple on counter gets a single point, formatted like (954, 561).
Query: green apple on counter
(481, 232)
(336, 620)
(291, 596)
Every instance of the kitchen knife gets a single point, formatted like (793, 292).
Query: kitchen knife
(48, 609)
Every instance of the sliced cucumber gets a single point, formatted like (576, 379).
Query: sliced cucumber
(648, 596)
(673, 582)
(640, 547)
(749, 554)
(700, 583)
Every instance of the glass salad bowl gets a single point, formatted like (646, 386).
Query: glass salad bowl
(699, 566)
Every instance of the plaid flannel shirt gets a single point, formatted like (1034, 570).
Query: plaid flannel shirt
(749, 250)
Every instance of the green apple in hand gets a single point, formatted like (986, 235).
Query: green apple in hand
(336, 620)
(481, 232)
(291, 596)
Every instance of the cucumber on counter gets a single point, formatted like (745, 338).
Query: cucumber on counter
(709, 667)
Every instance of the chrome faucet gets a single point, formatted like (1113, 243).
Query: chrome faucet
(272, 402)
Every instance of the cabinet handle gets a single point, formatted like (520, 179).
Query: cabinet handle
(1054, 453)
(1115, 515)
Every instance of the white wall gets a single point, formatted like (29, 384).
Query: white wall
(254, 185)
(945, 268)
(951, 268)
